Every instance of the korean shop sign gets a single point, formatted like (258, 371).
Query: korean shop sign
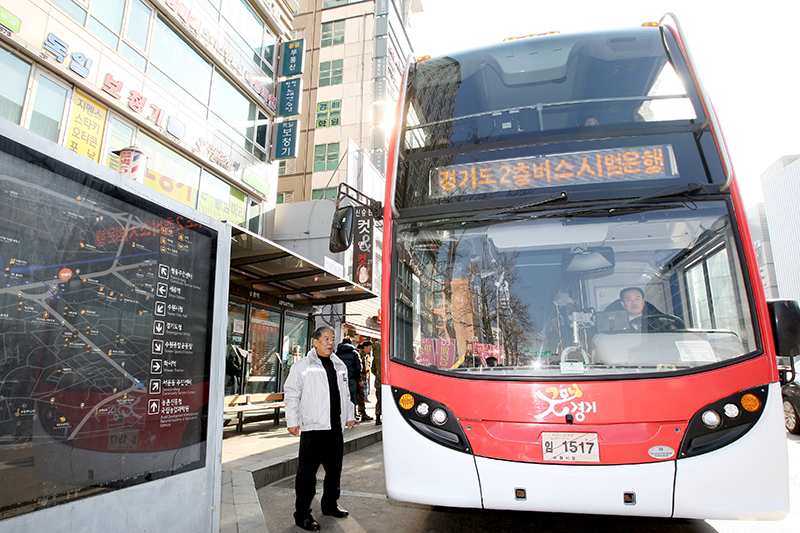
(362, 248)
(79, 63)
(285, 142)
(290, 97)
(293, 57)
(8, 20)
(86, 127)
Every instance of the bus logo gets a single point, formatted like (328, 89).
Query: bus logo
(565, 400)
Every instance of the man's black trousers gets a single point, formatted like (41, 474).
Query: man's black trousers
(318, 448)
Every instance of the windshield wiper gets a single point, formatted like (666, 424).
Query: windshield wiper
(603, 210)
(537, 203)
(434, 221)
(675, 192)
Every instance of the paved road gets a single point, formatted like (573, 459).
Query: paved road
(371, 512)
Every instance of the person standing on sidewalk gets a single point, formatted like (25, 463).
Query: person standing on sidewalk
(361, 393)
(349, 356)
(318, 408)
(376, 371)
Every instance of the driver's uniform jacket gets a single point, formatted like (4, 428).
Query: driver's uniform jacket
(307, 396)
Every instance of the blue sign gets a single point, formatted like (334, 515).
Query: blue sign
(293, 57)
(286, 137)
(289, 101)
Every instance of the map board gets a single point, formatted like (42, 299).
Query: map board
(106, 305)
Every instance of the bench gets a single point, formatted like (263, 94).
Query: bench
(248, 403)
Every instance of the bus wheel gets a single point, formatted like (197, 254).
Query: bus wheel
(790, 417)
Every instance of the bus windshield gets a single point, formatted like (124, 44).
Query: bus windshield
(538, 86)
(657, 289)
(539, 112)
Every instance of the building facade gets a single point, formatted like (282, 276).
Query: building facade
(357, 52)
(191, 83)
(757, 219)
(781, 183)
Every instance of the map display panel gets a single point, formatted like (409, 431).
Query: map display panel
(105, 336)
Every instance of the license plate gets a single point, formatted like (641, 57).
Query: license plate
(569, 447)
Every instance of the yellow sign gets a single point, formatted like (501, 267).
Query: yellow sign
(174, 189)
(85, 134)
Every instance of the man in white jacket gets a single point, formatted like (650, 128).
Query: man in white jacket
(318, 408)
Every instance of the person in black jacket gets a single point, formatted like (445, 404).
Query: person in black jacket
(349, 355)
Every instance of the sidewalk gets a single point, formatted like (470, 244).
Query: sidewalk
(262, 454)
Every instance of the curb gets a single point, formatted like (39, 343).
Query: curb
(241, 510)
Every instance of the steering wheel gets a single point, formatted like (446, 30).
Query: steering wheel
(665, 322)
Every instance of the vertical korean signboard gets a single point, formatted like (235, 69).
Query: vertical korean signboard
(105, 322)
(362, 250)
(293, 55)
(86, 127)
(285, 139)
(289, 101)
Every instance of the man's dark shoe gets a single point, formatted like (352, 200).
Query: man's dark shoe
(378, 421)
(366, 417)
(309, 524)
(337, 512)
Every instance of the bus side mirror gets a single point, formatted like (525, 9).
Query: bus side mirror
(784, 317)
(342, 229)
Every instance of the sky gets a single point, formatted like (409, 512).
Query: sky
(746, 57)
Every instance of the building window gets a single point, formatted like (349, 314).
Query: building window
(244, 26)
(334, 3)
(72, 9)
(279, 200)
(326, 157)
(16, 74)
(282, 168)
(104, 20)
(330, 72)
(120, 135)
(319, 194)
(238, 118)
(329, 114)
(43, 110)
(179, 68)
(47, 112)
(168, 172)
(332, 33)
(219, 200)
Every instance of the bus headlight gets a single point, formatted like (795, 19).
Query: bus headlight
(709, 430)
(439, 417)
(730, 410)
(431, 419)
(711, 419)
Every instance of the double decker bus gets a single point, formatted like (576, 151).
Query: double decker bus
(573, 319)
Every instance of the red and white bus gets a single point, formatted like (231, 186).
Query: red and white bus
(537, 188)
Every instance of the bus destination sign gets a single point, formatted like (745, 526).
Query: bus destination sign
(574, 168)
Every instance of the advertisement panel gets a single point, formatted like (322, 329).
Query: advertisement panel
(86, 126)
(106, 311)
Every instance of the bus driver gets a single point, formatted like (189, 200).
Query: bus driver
(632, 300)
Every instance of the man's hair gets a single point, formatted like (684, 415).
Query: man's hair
(367, 343)
(347, 340)
(626, 289)
(320, 330)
